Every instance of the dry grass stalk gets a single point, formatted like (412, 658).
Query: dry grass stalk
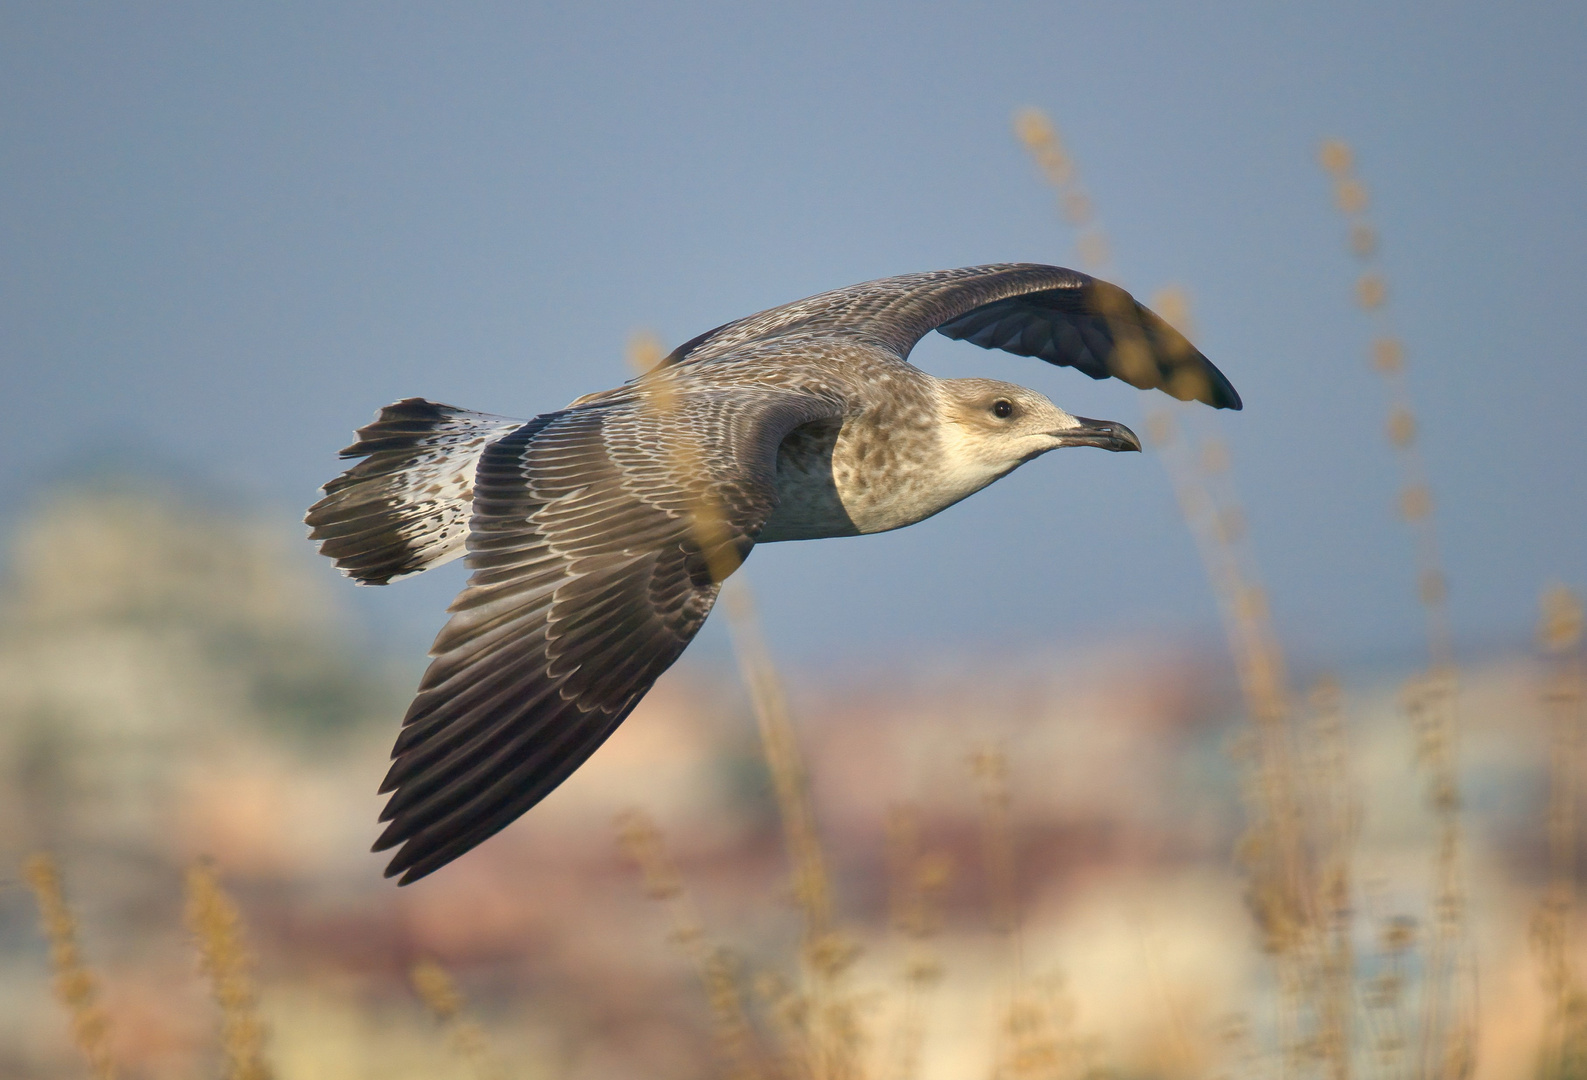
(1241, 1057)
(990, 768)
(915, 881)
(1036, 1039)
(1384, 995)
(1299, 845)
(76, 988)
(828, 1029)
(1448, 1031)
(708, 521)
(1282, 892)
(440, 994)
(1336, 817)
(830, 1015)
(1174, 1052)
(811, 887)
(224, 958)
(643, 843)
(1283, 851)
(1041, 139)
(1564, 1044)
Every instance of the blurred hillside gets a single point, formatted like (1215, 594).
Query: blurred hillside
(174, 683)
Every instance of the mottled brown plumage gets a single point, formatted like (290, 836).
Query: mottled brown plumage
(583, 527)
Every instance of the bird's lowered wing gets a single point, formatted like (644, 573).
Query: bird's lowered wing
(1058, 315)
(589, 578)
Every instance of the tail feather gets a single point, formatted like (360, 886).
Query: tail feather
(405, 507)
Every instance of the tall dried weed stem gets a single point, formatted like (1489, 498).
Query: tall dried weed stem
(440, 994)
(76, 988)
(818, 1022)
(716, 968)
(990, 768)
(1298, 846)
(915, 882)
(1302, 818)
(1448, 1036)
(1563, 1053)
(223, 954)
(1037, 1038)
(818, 1018)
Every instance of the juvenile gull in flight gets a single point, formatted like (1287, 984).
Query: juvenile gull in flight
(585, 531)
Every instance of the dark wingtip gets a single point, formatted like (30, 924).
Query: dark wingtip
(409, 875)
(412, 867)
(1194, 378)
(1224, 395)
(403, 862)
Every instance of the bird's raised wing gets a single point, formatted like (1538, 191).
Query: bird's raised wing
(591, 572)
(1058, 315)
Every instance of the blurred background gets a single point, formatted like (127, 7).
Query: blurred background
(232, 234)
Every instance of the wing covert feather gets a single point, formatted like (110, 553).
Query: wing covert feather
(587, 584)
(1050, 312)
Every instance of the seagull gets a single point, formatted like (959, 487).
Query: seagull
(599, 535)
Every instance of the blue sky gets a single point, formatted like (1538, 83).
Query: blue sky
(233, 231)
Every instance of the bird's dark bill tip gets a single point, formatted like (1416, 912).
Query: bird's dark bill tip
(1103, 434)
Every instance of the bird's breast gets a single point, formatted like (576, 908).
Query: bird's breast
(864, 474)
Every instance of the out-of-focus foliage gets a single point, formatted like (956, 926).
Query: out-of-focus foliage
(176, 684)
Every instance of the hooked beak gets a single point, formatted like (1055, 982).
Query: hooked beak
(1108, 434)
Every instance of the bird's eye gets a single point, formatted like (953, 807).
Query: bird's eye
(1002, 408)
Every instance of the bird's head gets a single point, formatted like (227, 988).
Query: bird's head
(998, 426)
